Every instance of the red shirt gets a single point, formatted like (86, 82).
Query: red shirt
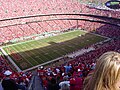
(79, 83)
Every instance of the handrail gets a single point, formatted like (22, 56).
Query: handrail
(31, 85)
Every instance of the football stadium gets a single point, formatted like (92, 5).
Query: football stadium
(55, 44)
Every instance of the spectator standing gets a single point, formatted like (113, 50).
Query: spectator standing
(52, 85)
(65, 87)
(8, 83)
(65, 81)
(67, 68)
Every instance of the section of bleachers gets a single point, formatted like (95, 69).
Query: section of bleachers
(76, 70)
(22, 78)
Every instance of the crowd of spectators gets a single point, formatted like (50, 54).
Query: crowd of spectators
(69, 76)
(74, 72)
(9, 33)
(20, 78)
(27, 8)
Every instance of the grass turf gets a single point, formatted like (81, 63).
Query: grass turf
(34, 52)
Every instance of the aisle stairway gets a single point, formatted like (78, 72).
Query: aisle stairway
(36, 83)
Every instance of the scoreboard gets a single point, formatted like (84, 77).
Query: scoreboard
(113, 4)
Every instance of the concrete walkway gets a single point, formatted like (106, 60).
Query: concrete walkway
(37, 83)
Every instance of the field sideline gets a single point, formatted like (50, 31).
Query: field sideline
(34, 52)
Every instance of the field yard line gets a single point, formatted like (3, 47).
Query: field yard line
(62, 50)
(33, 53)
(73, 43)
(65, 48)
(29, 55)
(51, 39)
(22, 56)
(43, 51)
(42, 55)
(39, 39)
(18, 43)
(38, 52)
(10, 59)
(60, 42)
(55, 52)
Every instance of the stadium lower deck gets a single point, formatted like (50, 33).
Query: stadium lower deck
(36, 52)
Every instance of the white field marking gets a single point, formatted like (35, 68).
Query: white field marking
(61, 57)
(49, 61)
(37, 40)
(62, 50)
(71, 46)
(56, 50)
(64, 44)
(29, 55)
(81, 30)
(30, 52)
(37, 53)
(21, 55)
(106, 38)
(44, 52)
(45, 63)
(10, 59)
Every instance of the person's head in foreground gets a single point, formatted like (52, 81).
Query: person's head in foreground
(106, 75)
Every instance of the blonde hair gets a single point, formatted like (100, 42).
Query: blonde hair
(106, 73)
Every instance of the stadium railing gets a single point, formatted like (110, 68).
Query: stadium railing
(31, 85)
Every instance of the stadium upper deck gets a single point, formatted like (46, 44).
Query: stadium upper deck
(24, 8)
(18, 8)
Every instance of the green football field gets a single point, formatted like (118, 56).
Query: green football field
(35, 52)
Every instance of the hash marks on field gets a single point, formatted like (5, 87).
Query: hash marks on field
(26, 56)
(24, 65)
(25, 60)
(29, 59)
(30, 54)
(41, 51)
